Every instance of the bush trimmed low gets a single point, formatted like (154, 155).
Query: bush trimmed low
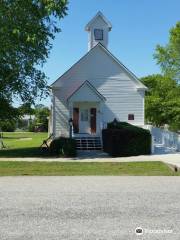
(63, 147)
(123, 139)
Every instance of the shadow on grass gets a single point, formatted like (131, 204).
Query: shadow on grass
(24, 152)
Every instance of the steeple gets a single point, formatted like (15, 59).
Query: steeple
(98, 30)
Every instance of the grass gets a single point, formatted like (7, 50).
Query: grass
(26, 144)
(22, 144)
(12, 168)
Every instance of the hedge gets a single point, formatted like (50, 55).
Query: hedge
(122, 139)
(63, 147)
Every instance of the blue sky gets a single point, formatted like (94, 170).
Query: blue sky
(138, 26)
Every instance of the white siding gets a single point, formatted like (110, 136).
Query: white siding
(99, 24)
(121, 99)
(61, 115)
(85, 93)
(96, 64)
(111, 80)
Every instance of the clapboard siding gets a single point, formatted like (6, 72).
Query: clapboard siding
(100, 24)
(61, 115)
(119, 103)
(96, 64)
(114, 82)
(121, 99)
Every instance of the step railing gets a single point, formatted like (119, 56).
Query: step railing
(88, 143)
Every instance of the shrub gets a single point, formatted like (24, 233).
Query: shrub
(124, 139)
(8, 126)
(63, 147)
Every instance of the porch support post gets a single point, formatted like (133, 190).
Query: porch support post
(70, 118)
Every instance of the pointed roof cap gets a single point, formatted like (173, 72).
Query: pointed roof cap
(99, 14)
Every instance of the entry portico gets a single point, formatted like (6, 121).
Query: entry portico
(85, 109)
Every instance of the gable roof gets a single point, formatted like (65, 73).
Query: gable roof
(139, 84)
(91, 87)
(99, 14)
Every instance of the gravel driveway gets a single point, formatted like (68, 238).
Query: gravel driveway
(89, 208)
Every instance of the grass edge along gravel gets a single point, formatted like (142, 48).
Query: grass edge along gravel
(22, 168)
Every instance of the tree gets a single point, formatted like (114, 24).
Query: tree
(168, 57)
(162, 101)
(42, 116)
(26, 109)
(40, 123)
(26, 31)
(7, 123)
(9, 110)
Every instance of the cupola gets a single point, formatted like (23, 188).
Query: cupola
(98, 30)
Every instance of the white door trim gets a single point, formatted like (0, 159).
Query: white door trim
(84, 120)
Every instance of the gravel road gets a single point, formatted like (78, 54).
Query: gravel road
(94, 208)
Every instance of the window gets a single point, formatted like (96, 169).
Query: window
(130, 116)
(98, 34)
(84, 115)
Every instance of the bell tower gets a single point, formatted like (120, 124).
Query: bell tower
(98, 31)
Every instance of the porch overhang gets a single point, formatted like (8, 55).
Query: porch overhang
(86, 93)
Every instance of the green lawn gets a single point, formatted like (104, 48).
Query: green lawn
(25, 144)
(13, 168)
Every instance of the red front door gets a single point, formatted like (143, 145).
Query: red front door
(93, 120)
(76, 120)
